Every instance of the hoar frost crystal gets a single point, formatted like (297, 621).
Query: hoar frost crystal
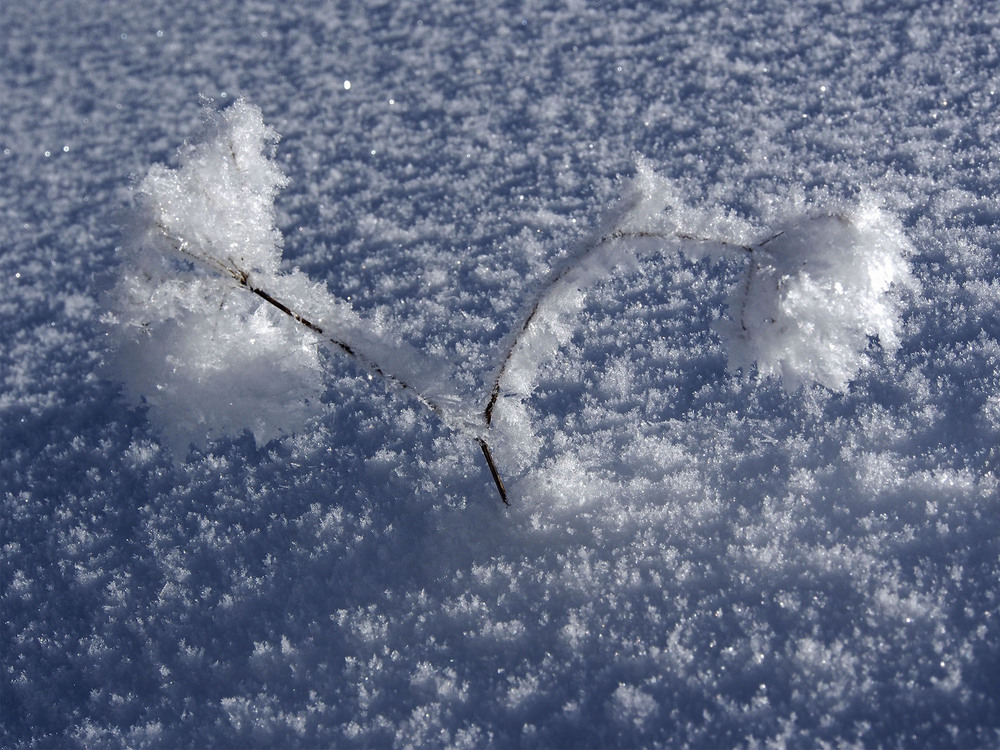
(207, 359)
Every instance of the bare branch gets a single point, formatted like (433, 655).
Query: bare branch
(493, 470)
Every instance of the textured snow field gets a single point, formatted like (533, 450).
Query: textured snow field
(692, 556)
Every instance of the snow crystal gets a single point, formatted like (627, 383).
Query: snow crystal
(218, 207)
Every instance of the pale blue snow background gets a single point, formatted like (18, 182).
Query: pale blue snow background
(691, 557)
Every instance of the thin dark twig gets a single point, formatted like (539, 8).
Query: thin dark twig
(720, 243)
(244, 281)
(242, 278)
(493, 470)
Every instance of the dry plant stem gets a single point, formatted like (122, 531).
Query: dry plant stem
(242, 278)
(493, 471)
(618, 234)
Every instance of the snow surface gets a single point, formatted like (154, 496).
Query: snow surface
(693, 556)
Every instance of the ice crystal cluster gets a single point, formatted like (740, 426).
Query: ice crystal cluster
(814, 293)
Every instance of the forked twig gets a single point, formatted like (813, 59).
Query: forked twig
(243, 279)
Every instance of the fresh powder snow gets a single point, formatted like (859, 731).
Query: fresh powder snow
(719, 288)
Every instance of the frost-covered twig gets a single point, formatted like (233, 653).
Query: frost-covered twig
(216, 214)
(812, 295)
(812, 292)
(243, 279)
(564, 271)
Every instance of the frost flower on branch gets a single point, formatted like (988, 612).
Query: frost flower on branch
(208, 360)
(814, 291)
(209, 330)
(813, 295)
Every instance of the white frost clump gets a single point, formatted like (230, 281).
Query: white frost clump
(220, 203)
(812, 296)
(208, 358)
